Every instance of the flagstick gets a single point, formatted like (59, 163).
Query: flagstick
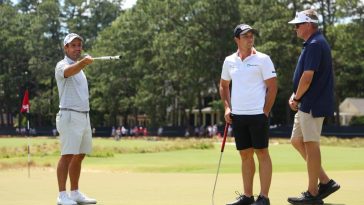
(28, 144)
(26, 107)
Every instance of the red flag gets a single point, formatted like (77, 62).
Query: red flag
(25, 106)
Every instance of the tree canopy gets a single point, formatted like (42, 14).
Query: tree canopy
(172, 51)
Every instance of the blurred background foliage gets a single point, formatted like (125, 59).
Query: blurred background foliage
(172, 51)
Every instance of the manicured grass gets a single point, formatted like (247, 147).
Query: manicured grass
(122, 188)
(147, 174)
(165, 156)
(284, 157)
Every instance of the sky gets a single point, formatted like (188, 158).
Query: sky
(129, 4)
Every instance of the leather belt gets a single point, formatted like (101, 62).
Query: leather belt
(68, 109)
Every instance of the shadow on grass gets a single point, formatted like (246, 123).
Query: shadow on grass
(333, 204)
(327, 204)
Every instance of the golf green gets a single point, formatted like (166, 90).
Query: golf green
(163, 172)
(119, 188)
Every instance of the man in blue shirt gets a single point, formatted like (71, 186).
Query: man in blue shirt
(313, 99)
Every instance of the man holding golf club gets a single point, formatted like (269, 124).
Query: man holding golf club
(313, 99)
(73, 120)
(253, 93)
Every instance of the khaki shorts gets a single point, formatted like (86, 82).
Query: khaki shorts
(307, 126)
(75, 132)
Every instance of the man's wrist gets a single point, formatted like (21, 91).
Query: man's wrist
(296, 100)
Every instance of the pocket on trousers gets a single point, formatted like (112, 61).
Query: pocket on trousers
(62, 121)
(58, 119)
(264, 116)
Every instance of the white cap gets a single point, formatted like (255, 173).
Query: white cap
(70, 38)
(302, 17)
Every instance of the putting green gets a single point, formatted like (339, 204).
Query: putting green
(118, 188)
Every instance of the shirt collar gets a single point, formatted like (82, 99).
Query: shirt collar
(70, 61)
(254, 52)
(311, 37)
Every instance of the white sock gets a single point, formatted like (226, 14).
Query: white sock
(74, 192)
(62, 193)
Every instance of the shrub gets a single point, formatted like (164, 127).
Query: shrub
(357, 120)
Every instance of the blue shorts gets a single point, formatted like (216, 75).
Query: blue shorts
(250, 131)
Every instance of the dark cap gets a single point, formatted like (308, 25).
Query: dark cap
(242, 29)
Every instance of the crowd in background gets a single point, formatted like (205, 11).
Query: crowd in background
(137, 131)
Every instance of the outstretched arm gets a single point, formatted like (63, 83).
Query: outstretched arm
(76, 67)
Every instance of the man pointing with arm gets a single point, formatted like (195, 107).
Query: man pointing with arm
(73, 120)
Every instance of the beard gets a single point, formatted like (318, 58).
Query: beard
(74, 56)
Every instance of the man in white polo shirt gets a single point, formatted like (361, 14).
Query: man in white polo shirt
(253, 92)
(73, 120)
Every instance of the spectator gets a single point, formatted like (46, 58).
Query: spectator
(160, 131)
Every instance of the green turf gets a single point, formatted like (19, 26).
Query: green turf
(284, 157)
(181, 177)
(23, 141)
(122, 188)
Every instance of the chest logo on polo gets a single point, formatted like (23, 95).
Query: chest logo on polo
(251, 65)
(232, 66)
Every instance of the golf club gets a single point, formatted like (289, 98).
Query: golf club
(218, 167)
(107, 58)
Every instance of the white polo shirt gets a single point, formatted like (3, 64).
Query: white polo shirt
(248, 87)
(73, 91)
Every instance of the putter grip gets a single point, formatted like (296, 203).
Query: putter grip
(224, 137)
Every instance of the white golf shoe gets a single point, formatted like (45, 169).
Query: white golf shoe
(81, 198)
(63, 199)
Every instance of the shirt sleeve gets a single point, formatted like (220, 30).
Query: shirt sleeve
(268, 70)
(313, 57)
(60, 67)
(225, 74)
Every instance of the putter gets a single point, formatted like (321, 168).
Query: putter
(107, 58)
(218, 167)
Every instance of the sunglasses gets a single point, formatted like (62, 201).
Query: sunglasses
(297, 25)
